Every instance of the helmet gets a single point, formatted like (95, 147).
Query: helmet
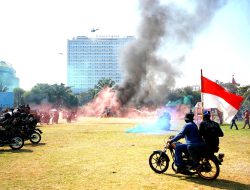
(206, 113)
(7, 116)
(16, 113)
(189, 116)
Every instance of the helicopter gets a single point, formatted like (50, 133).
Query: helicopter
(94, 29)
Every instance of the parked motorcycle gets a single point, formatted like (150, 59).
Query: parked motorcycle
(209, 163)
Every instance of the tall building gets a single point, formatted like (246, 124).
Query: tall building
(8, 76)
(91, 59)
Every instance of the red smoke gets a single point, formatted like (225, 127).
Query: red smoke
(107, 100)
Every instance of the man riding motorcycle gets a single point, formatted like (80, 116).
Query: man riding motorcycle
(193, 139)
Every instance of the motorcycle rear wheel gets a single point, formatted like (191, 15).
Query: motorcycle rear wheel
(16, 143)
(35, 138)
(158, 163)
(209, 169)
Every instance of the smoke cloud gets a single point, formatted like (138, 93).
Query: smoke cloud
(148, 77)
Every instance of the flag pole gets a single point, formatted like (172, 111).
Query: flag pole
(202, 100)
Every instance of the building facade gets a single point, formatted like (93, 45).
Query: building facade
(91, 59)
(8, 76)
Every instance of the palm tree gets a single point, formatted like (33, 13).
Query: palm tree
(104, 82)
(101, 84)
(92, 92)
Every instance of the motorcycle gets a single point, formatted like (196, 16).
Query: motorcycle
(15, 141)
(29, 130)
(9, 136)
(209, 163)
(34, 135)
(21, 125)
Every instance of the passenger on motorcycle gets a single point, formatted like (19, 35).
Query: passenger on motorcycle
(191, 134)
(210, 132)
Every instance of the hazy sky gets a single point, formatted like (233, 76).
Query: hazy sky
(34, 33)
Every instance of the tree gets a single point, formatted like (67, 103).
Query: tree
(245, 92)
(104, 82)
(185, 95)
(57, 95)
(38, 94)
(3, 88)
(101, 84)
(18, 96)
(70, 101)
(83, 98)
(233, 88)
(92, 93)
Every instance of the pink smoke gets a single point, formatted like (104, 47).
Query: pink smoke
(107, 99)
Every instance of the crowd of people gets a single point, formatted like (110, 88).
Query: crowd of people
(52, 116)
(47, 117)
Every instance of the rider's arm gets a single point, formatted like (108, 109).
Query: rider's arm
(180, 135)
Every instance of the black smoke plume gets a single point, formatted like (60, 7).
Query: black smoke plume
(148, 77)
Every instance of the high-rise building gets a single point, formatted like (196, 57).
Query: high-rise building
(8, 76)
(91, 59)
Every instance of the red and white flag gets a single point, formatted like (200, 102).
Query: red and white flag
(215, 96)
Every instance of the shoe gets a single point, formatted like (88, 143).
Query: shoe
(179, 169)
(183, 170)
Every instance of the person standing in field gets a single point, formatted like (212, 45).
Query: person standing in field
(246, 119)
(234, 122)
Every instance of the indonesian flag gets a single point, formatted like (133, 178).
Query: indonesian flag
(215, 96)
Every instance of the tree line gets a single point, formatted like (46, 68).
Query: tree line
(60, 95)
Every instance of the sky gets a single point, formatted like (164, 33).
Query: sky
(34, 34)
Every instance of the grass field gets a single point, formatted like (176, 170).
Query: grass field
(96, 153)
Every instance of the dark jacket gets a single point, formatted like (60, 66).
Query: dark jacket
(210, 132)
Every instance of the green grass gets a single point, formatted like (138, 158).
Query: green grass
(98, 154)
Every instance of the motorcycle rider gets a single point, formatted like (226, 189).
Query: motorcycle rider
(191, 134)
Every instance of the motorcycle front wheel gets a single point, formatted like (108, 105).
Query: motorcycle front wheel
(158, 162)
(16, 143)
(174, 167)
(35, 138)
(209, 169)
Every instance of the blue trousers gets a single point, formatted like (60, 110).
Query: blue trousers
(195, 150)
(180, 148)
